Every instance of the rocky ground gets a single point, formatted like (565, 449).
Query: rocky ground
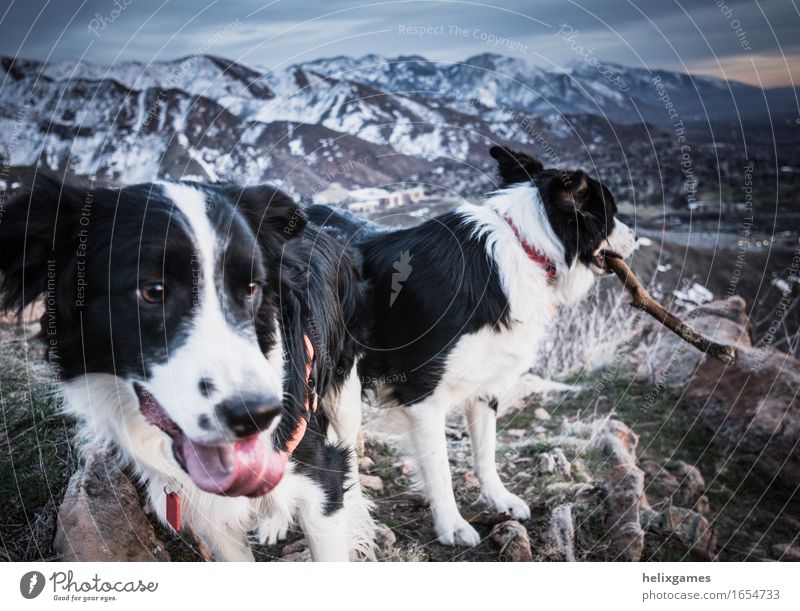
(659, 455)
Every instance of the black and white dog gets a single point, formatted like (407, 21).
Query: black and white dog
(196, 327)
(460, 303)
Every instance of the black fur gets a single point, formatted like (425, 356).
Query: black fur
(455, 290)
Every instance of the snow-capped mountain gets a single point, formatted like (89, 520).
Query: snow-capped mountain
(609, 90)
(365, 121)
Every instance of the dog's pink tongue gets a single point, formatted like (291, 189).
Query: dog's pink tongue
(244, 468)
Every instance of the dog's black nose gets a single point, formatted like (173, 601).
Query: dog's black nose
(248, 414)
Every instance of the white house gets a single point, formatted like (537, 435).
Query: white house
(332, 194)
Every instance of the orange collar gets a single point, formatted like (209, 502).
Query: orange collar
(310, 402)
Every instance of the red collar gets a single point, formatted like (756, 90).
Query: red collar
(533, 254)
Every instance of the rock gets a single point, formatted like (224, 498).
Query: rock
(407, 467)
(701, 505)
(385, 539)
(691, 487)
(516, 433)
(371, 482)
(539, 431)
(752, 407)
(623, 482)
(541, 413)
(660, 484)
(563, 466)
(294, 548)
(579, 472)
(560, 534)
(454, 433)
(562, 492)
(545, 463)
(512, 541)
(786, 551)
(554, 462)
(304, 556)
(749, 405)
(471, 480)
(101, 518)
(365, 464)
(690, 528)
(678, 484)
(627, 438)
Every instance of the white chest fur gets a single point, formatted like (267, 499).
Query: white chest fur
(488, 362)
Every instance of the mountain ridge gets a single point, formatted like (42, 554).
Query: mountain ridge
(208, 117)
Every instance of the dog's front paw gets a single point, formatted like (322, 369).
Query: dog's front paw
(457, 532)
(273, 531)
(510, 504)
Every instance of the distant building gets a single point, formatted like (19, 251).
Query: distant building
(364, 207)
(415, 194)
(332, 194)
(371, 199)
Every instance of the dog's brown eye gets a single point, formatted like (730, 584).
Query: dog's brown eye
(252, 291)
(151, 292)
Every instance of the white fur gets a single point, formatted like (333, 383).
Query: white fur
(426, 428)
(622, 240)
(482, 424)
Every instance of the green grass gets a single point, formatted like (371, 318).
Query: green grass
(35, 456)
(384, 457)
(31, 432)
(666, 428)
(742, 499)
(537, 446)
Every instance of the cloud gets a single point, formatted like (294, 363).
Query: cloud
(761, 70)
(672, 34)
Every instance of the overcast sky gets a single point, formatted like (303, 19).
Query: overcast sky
(755, 41)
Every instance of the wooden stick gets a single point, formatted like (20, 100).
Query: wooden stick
(644, 301)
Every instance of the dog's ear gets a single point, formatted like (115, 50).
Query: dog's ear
(571, 189)
(271, 214)
(514, 166)
(38, 235)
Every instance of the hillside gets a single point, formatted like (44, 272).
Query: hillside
(382, 121)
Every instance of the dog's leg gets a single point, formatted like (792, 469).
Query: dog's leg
(227, 544)
(327, 536)
(482, 423)
(345, 410)
(346, 421)
(426, 427)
